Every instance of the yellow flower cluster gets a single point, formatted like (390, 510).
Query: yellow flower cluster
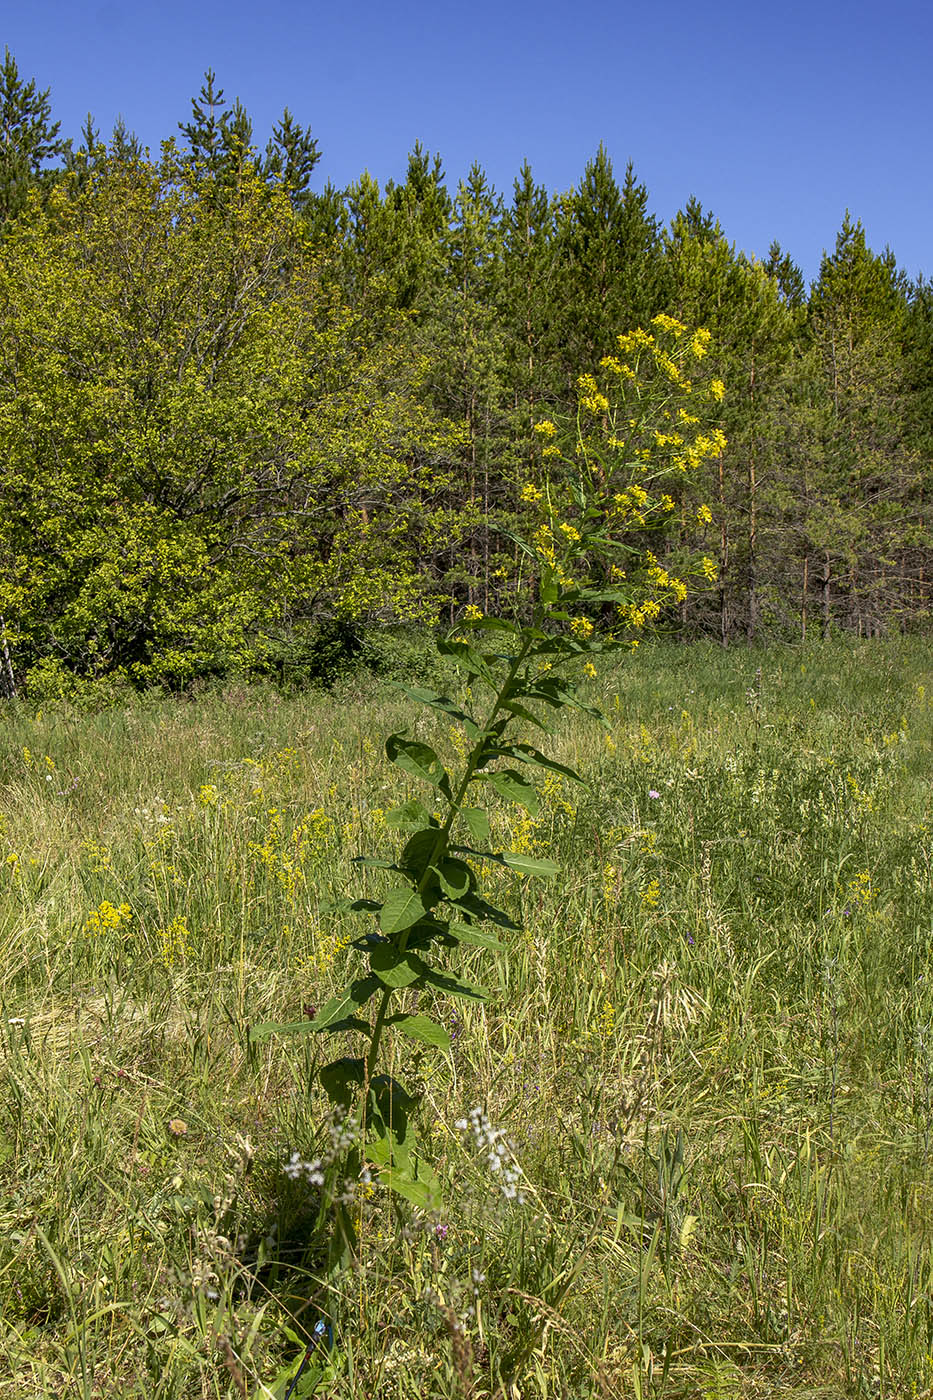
(546, 428)
(175, 942)
(107, 916)
(591, 396)
(704, 516)
(669, 324)
(699, 344)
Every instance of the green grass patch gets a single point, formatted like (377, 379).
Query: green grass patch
(708, 1050)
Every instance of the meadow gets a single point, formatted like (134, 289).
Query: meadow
(704, 1067)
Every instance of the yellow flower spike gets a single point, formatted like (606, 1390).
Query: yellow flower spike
(704, 516)
(546, 428)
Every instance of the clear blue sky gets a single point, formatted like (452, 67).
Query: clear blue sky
(777, 117)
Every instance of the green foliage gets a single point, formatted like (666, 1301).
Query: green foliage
(220, 469)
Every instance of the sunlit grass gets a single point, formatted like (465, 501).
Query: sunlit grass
(710, 1047)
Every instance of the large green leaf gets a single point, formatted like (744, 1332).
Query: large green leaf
(411, 816)
(342, 1078)
(477, 824)
(453, 986)
(420, 850)
(421, 1028)
(345, 1003)
(473, 906)
(401, 908)
(468, 660)
(419, 760)
(440, 702)
(526, 753)
(395, 968)
(414, 1181)
(470, 933)
(514, 788)
(456, 878)
(529, 865)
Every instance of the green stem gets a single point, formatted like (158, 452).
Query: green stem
(440, 844)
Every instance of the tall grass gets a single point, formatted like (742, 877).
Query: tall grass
(709, 1050)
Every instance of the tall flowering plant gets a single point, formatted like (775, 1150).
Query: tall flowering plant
(602, 503)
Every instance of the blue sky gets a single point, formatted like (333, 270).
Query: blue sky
(777, 117)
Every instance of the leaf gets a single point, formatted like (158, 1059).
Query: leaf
(415, 1181)
(514, 788)
(477, 937)
(440, 702)
(453, 986)
(530, 865)
(401, 908)
(533, 755)
(345, 1003)
(421, 1028)
(341, 1077)
(374, 863)
(475, 907)
(468, 660)
(411, 816)
(477, 823)
(456, 878)
(420, 850)
(419, 760)
(521, 713)
(489, 624)
(395, 968)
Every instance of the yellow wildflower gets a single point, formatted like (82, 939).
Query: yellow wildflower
(546, 428)
(699, 343)
(668, 323)
(717, 389)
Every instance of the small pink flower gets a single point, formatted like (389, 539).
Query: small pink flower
(653, 793)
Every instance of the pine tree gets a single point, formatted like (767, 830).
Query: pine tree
(609, 263)
(205, 134)
(28, 138)
(291, 156)
(868, 508)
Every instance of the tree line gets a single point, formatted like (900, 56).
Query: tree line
(237, 411)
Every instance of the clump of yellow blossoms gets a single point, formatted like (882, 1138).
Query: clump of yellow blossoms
(643, 420)
(107, 916)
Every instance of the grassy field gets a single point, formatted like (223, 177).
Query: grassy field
(710, 1048)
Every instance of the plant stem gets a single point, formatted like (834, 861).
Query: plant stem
(440, 844)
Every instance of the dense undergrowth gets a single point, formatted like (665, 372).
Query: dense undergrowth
(707, 1055)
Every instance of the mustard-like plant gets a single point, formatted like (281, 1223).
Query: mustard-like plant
(595, 580)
